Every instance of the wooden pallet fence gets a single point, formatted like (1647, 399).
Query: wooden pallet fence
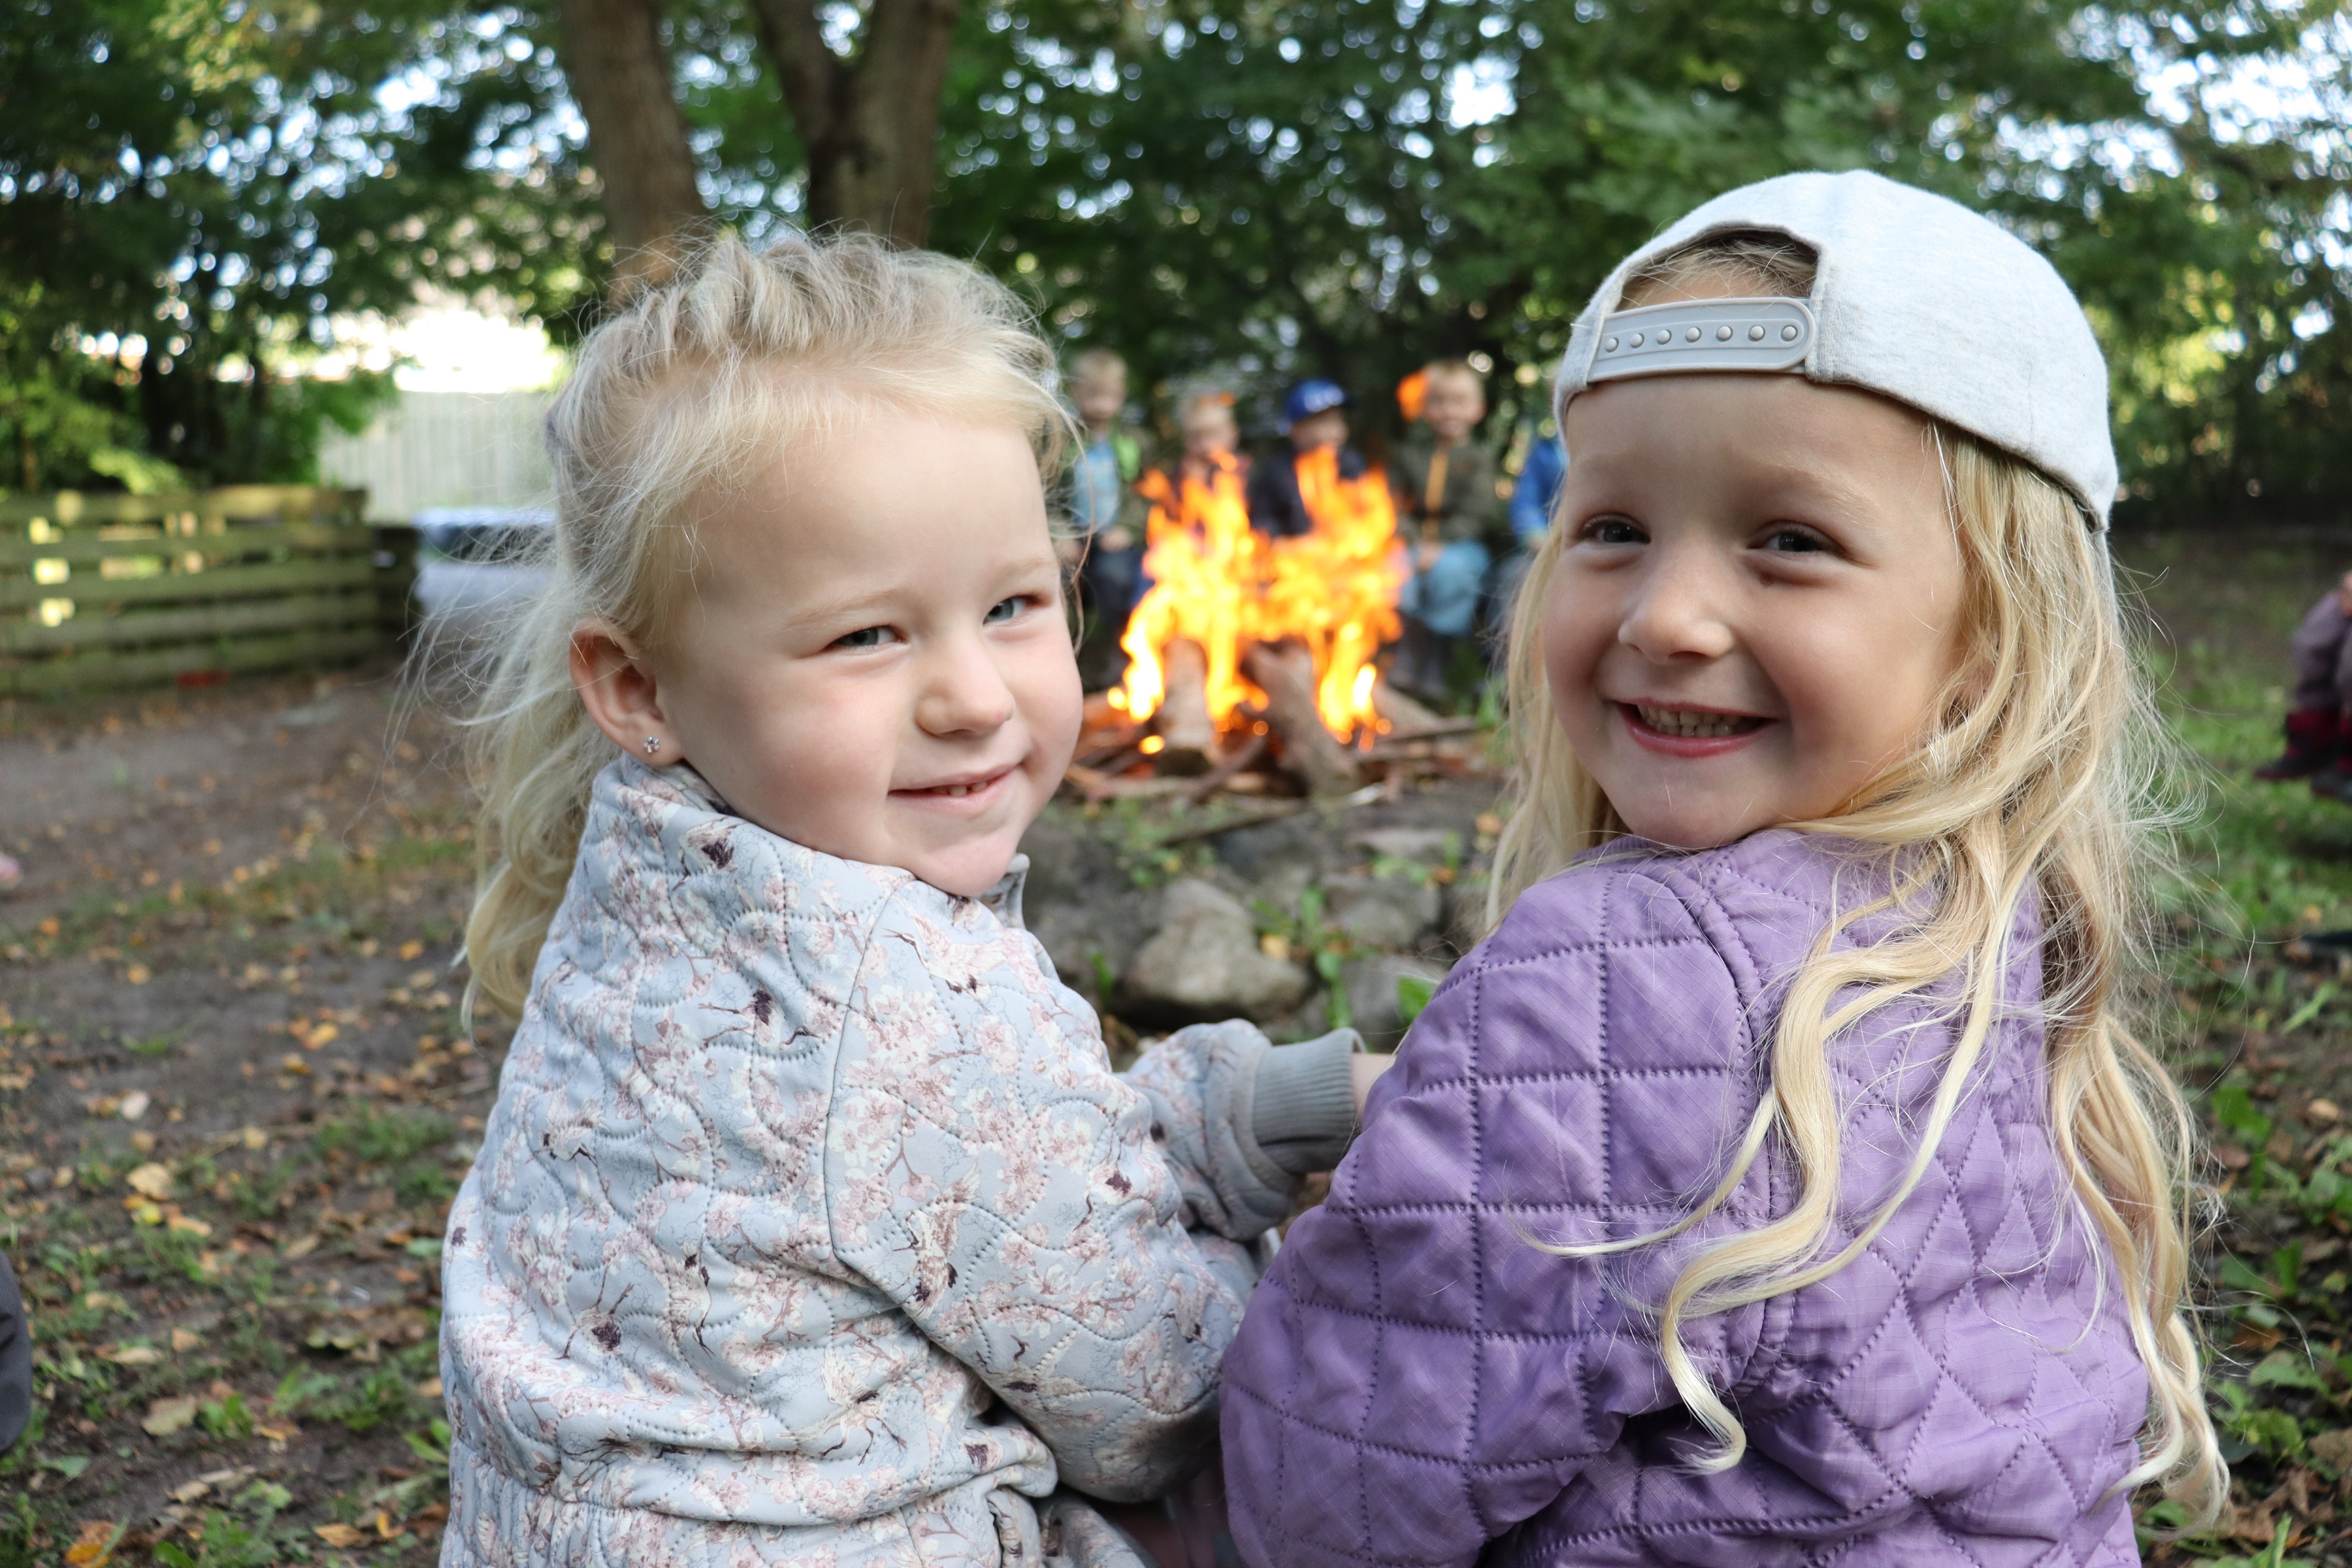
(120, 590)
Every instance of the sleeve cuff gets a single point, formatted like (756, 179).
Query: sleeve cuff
(1303, 1107)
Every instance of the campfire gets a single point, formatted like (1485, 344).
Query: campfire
(1250, 653)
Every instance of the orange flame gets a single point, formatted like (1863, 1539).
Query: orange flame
(1222, 584)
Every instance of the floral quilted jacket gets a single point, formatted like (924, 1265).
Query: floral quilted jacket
(811, 1224)
(1418, 1384)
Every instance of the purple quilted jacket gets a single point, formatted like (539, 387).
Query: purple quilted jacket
(1416, 1383)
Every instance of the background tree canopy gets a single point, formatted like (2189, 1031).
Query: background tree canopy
(1247, 189)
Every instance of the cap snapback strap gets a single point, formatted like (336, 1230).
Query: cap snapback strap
(1760, 334)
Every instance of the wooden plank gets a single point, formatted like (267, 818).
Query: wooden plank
(88, 670)
(195, 587)
(69, 508)
(237, 618)
(83, 550)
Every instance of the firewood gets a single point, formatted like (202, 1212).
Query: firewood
(1185, 728)
(1287, 675)
(1406, 717)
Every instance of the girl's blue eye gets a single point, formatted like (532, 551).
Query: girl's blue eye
(1615, 530)
(866, 637)
(1003, 610)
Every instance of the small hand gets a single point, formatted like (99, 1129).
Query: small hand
(1364, 1070)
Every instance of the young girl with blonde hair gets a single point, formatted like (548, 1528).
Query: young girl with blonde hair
(811, 1224)
(1780, 1181)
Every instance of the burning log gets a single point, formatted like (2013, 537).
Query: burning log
(1285, 673)
(1404, 717)
(1185, 728)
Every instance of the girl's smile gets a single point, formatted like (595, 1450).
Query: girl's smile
(1686, 732)
(1755, 606)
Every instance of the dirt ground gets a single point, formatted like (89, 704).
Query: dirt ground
(236, 1101)
(236, 1095)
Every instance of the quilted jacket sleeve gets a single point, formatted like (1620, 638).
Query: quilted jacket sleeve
(1414, 1377)
(989, 1172)
(1212, 1089)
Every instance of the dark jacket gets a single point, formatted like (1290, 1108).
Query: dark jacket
(15, 1361)
(1276, 507)
(1465, 506)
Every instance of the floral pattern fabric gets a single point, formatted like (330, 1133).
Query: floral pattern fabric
(811, 1224)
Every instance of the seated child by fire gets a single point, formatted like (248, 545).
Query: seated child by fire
(812, 1223)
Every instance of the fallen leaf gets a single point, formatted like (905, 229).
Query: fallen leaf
(409, 951)
(151, 1180)
(320, 1038)
(386, 1529)
(134, 1105)
(181, 1222)
(293, 1063)
(2334, 1449)
(49, 927)
(190, 1491)
(300, 1246)
(2324, 1111)
(184, 1341)
(254, 1138)
(137, 975)
(429, 1389)
(131, 1355)
(166, 1416)
(144, 1142)
(280, 1433)
(94, 1547)
(338, 1534)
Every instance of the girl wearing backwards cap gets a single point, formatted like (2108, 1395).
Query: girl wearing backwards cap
(1780, 1181)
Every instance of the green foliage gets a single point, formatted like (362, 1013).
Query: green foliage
(193, 192)
(1413, 994)
(1255, 191)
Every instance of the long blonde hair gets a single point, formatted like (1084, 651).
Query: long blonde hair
(2039, 784)
(742, 357)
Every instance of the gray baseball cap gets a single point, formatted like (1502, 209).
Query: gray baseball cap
(1915, 297)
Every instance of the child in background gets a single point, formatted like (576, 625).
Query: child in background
(1314, 416)
(2319, 719)
(1453, 521)
(1780, 1183)
(1106, 514)
(811, 1224)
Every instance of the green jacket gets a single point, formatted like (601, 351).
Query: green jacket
(1465, 505)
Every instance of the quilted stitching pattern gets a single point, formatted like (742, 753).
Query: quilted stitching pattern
(1415, 1382)
(812, 1223)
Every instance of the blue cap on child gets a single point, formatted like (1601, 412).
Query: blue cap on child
(1914, 296)
(1309, 398)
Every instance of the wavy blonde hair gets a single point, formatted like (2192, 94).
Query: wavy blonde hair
(2039, 782)
(689, 389)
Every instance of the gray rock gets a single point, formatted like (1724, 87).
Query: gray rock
(1371, 985)
(1424, 843)
(1079, 903)
(1204, 962)
(1381, 911)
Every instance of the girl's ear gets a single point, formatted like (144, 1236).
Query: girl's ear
(617, 686)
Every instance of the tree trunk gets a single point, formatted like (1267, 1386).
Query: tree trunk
(613, 58)
(870, 124)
